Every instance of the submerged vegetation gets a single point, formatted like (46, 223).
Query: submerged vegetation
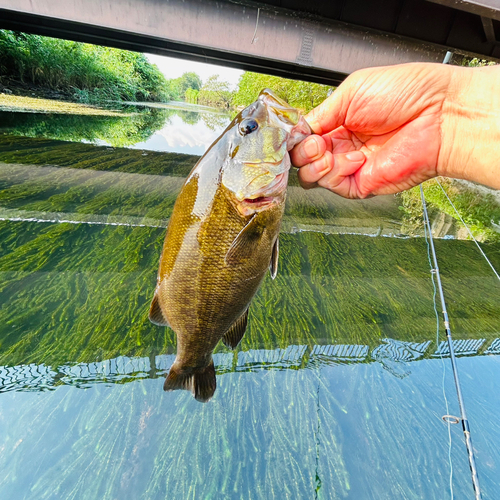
(74, 292)
(79, 292)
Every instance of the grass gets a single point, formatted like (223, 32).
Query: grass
(85, 72)
(480, 210)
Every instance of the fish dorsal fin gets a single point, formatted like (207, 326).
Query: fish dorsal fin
(156, 314)
(273, 266)
(245, 244)
(236, 331)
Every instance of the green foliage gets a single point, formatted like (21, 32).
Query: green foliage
(188, 81)
(474, 62)
(302, 95)
(192, 96)
(215, 93)
(480, 211)
(184, 86)
(91, 73)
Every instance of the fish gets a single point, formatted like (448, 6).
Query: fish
(222, 238)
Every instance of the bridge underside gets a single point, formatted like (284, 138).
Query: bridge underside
(319, 40)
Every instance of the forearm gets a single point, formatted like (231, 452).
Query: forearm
(470, 128)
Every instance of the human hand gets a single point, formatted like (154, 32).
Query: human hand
(378, 133)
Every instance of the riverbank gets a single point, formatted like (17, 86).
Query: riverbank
(22, 89)
(16, 103)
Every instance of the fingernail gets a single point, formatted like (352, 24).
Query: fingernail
(311, 148)
(355, 156)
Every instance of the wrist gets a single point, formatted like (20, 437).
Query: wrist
(470, 127)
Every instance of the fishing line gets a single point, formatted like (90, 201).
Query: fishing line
(318, 442)
(461, 404)
(469, 231)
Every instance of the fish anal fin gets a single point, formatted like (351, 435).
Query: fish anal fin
(245, 244)
(273, 266)
(156, 315)
(201, 382)
(236, 331)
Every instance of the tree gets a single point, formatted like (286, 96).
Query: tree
(192, 96)
(180, 87)
(215, 93)
(302, 95)
(84, 71)
(190, 81)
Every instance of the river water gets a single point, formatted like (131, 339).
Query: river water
(338, 387)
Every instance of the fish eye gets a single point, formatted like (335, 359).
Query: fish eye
(248, 126)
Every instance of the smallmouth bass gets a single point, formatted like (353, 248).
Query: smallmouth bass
(223, 237)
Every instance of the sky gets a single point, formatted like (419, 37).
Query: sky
(179, 137)
(173, 68)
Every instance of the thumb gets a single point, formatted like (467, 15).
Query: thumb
(331, 113)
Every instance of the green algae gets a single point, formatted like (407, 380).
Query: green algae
(79, 293)
(14, 103)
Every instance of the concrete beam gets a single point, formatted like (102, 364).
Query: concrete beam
(247, 36)
(484, 8)
(489, 29)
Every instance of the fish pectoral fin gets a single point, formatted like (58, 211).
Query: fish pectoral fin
(245, 244)
(156, 314)
(273, 266)
(236, 331)
(200, 381)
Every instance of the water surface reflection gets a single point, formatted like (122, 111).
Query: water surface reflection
(166, 128)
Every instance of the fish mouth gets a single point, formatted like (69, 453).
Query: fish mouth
(265, 197)
(250, 206)
(257, 203)
(273, 190)
(259, 200)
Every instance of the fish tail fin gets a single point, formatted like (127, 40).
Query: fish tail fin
(200, 381)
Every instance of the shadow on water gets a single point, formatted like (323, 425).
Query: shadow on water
(336, 390)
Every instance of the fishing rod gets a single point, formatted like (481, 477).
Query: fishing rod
(461, 404)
